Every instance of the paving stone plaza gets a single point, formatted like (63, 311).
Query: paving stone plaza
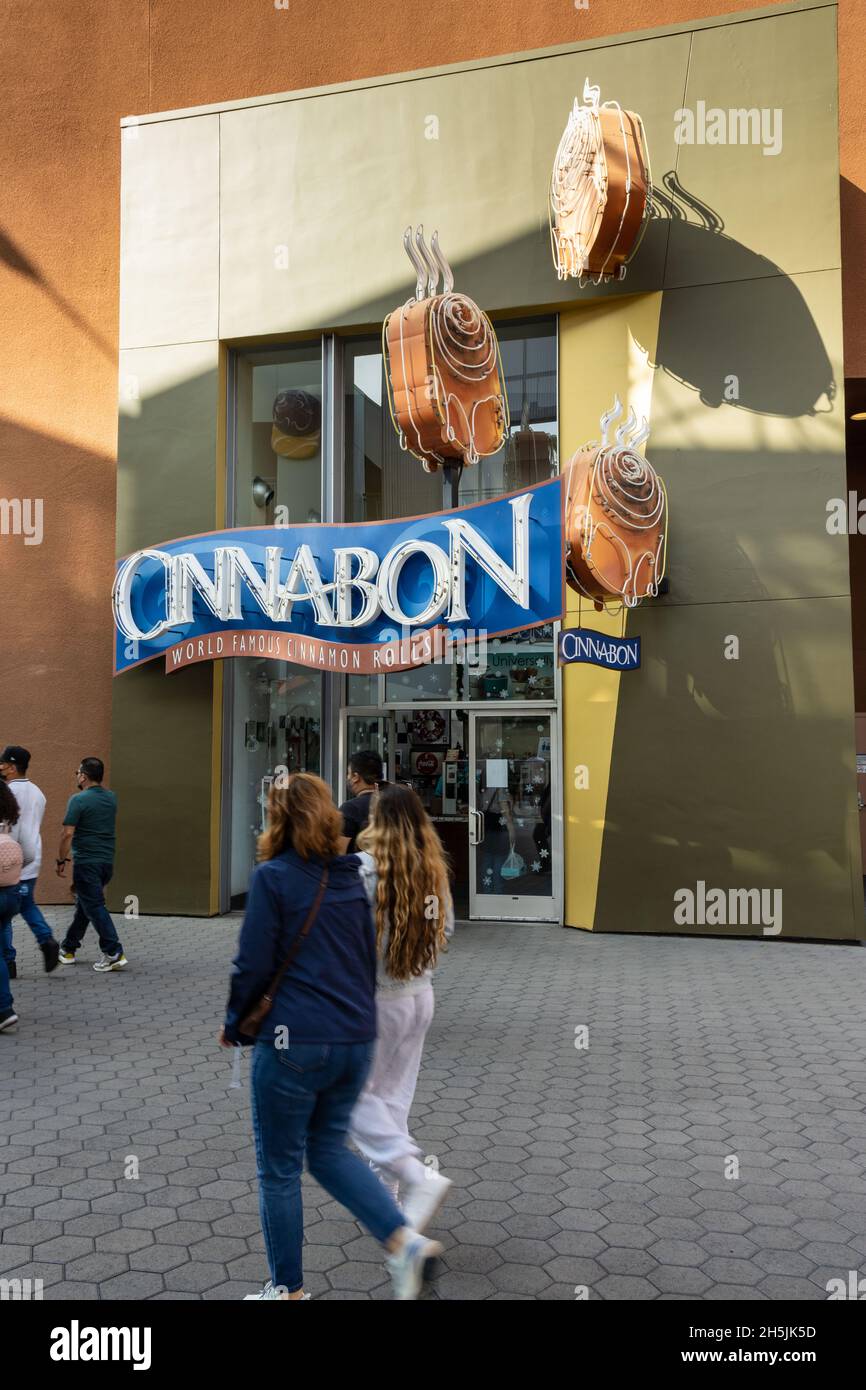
(706, 1143)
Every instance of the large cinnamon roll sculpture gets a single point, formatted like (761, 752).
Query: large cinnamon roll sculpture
(444, 370)
(615, 517)
(599, 190)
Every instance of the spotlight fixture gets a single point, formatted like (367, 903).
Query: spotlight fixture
(263, 493)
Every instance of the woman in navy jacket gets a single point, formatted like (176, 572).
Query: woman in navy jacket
(314, 1048)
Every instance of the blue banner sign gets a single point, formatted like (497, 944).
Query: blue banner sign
(368, 597)
(599, 649)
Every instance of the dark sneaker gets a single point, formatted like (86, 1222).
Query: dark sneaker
(51, 952)
(8, 1019)
(12, 967)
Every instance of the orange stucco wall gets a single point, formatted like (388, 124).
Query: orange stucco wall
(69, 72)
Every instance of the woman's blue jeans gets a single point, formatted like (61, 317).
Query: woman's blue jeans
(302, 1100)
(9, 900)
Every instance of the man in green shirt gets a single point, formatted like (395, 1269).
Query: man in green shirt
(88, 828)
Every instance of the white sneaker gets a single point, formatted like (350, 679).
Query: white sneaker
(105, 963)
(270, 1292)
(406, 1267)
(425, 1198)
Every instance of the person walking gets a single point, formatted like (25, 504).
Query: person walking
(365, 770)
(14, 762)
(89, 829)
(405, 876)
(307, 948)
(15, 849)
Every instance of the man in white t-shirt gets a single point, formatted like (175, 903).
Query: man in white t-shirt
(14, 762)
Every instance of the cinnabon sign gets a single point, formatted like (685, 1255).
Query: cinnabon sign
(370, 597)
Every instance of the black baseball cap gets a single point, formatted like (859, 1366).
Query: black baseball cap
(13, 753)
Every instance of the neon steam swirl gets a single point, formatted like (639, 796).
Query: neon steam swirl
(627, 488)
(462, 335)
(577, 190)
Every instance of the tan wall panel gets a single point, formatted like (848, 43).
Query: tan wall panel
(356, 167)
(170, 233)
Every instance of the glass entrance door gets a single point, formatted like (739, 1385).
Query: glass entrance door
(424, 749)
(513, 836)
(430, 757)
(277, 729)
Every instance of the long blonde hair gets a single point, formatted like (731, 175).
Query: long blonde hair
(413, 895)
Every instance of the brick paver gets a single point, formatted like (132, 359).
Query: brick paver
(602, 1167)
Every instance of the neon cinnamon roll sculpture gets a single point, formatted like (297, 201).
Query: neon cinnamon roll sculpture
(615, 517)
(599, 190)
(444, 370)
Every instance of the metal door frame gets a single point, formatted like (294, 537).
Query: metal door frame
(360, 712)
(505, 907)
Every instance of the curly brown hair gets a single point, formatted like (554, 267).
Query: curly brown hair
(301, 816)
(9, 808)
(413, 894)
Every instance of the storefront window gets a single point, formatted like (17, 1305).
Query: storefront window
(530, 453)
(276, 726)
(384, 482)
(277, 481)
(278, 437)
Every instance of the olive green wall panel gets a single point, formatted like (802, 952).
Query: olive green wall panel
(739, 773)
(779, 212)
(749, 479)
(167, 437)
(335, 180)
(161, 771)
(162, 724)
(169, 273)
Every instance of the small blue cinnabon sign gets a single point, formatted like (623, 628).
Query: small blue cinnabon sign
(599, 649)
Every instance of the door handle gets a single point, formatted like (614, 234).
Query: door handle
(476, 827)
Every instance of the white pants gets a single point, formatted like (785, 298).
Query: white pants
(380, 1121)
